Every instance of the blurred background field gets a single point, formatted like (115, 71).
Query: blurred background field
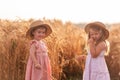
(67, 41)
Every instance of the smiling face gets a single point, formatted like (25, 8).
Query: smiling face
(39, 33)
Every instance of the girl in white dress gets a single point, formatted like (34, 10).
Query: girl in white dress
(95, 66)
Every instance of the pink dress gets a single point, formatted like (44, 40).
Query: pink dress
(96, 68)
(44, 73)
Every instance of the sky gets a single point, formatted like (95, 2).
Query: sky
(66, 10)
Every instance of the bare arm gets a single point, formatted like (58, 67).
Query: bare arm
(96, 50)
(81, 58)
(32, 54)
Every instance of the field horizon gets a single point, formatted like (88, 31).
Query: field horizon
(67, 41)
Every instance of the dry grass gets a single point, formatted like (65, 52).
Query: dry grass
(113, 60)
(66, 41)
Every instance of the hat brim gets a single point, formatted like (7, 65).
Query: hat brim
(97, 24)
(30, 30)
(49, 30)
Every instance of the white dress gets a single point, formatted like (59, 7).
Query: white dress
(96, 68)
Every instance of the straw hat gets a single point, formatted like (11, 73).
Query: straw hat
(37, 24)
(97, 24)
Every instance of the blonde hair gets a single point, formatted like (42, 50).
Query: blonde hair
(108, 47)
(106, 43)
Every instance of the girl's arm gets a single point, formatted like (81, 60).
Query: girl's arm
(96, 50)
(81, 58)
(32, 54)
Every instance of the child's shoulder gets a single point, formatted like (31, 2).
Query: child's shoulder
(43, 42)
(33, 42)
(102, 45)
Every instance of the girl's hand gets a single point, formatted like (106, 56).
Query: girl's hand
(91, 41)
(37, 66)
(80, 58)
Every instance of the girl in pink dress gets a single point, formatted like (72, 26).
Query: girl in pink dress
(95, 66)
(38, 66)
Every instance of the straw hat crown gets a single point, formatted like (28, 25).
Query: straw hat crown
(97, 24)
(37, 24)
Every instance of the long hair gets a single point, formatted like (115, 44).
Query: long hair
(102, 38)
(108, 47)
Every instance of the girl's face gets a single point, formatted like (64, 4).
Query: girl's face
(94, 34)
(39, 33)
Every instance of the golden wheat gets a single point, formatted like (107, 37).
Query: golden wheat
(66, 41)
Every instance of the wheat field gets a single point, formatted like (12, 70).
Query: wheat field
(67, 41)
